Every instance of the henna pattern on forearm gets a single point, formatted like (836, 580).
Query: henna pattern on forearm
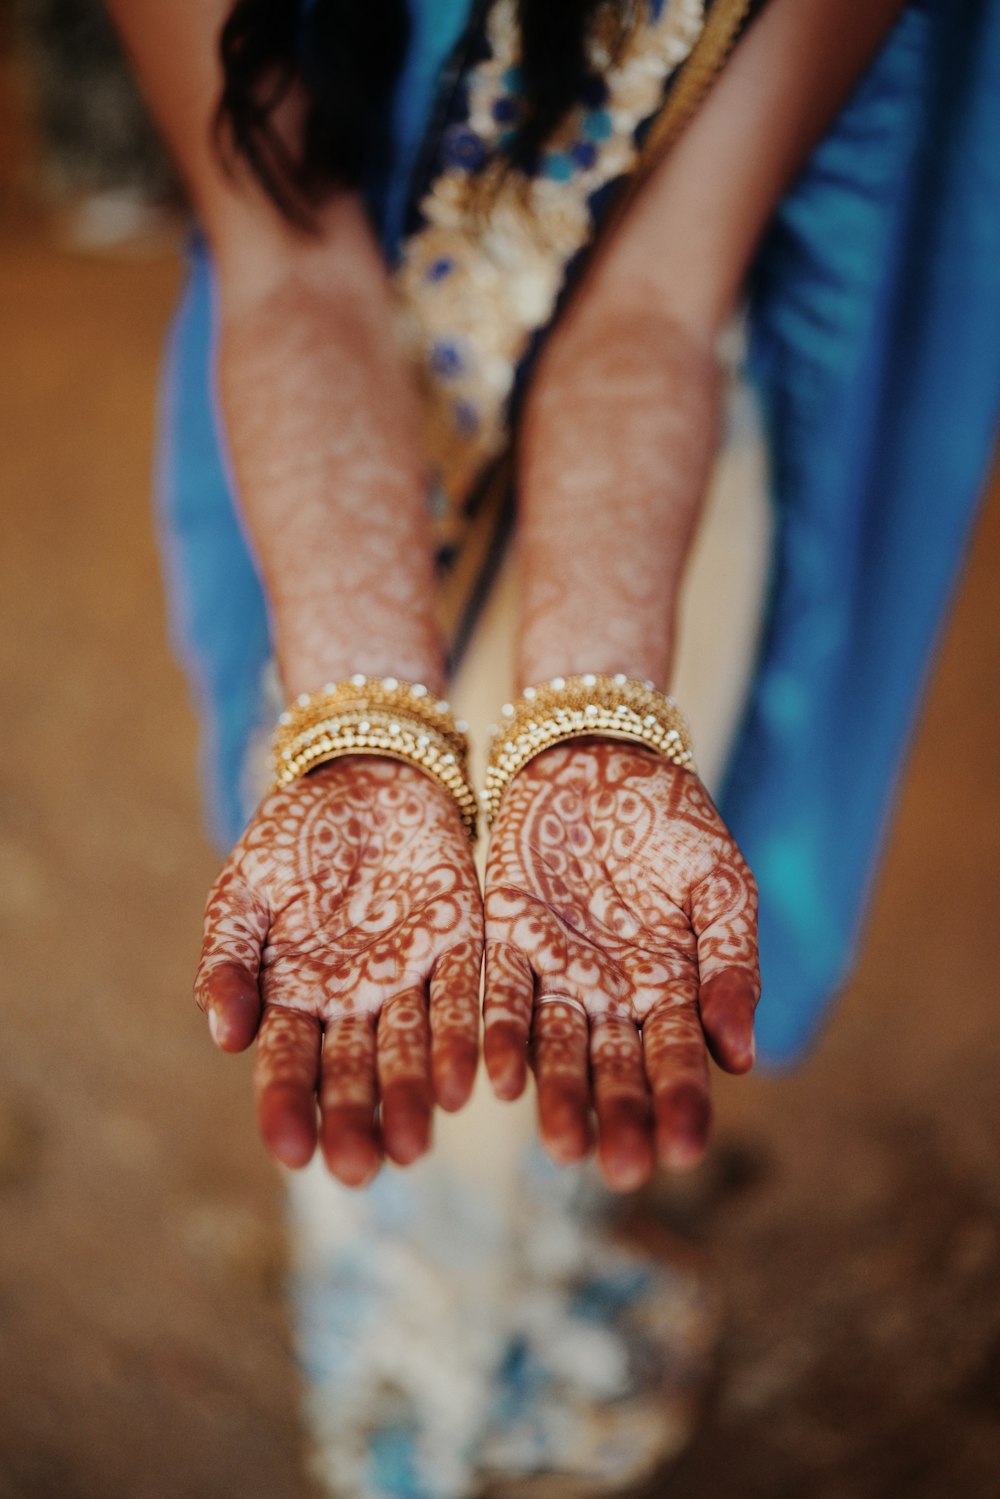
(322, 425)
(611, 873)
(352, 902)
(619, 430)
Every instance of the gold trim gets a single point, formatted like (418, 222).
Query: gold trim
(611, 707)
(376, 715)
(692, 83)
(712, 49)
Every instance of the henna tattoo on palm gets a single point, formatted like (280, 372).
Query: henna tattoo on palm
(621, 947)
(345, 931)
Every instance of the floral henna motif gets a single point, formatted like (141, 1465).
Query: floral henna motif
(349, 910)
(614, 887)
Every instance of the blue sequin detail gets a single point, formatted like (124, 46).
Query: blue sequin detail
(607, 1296)
(446, 359)
(594, 92)
(513, 79)
(520, 1384)
(440, 268)
(392, 1463)
(504, 110)
(463, 148)
(558, 166)
(584, 154)
(597, 125)
(466, 418)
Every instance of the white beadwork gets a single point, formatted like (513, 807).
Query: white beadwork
(475, 285)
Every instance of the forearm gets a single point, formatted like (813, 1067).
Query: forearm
(323, 438)
(318, 416)
(617, 441)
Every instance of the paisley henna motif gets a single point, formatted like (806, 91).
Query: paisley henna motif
(614, 886)
(349, 910)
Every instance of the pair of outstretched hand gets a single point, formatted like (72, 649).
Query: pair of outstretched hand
(346, 933)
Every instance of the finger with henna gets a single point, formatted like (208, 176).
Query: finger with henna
(225, 988)
(348, 1130)
(509, 995)
(621, 1101)
(404, 1075)
(454, 1017)
(724, 918)
(559, 1047)
(677, 1069)
(286, 1071)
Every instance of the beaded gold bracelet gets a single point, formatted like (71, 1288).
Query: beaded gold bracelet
(377, 715)
(616, 707)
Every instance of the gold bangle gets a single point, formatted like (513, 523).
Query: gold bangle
(382, 716)
(615, 707)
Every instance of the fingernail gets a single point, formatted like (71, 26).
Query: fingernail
(213, 1025)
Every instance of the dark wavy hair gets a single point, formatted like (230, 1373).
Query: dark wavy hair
(340, 59)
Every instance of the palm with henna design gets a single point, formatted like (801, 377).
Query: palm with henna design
(345, 932)
(621, 949)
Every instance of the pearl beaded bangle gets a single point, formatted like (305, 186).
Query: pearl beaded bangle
(615, 707)
(382, 716)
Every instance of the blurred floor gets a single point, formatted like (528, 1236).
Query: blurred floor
(851, 1212)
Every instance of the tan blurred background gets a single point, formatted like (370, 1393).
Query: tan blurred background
(850, 1213)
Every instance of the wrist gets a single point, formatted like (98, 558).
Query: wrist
(547, 655)
(586, 707)
(305, 665)
(383, 716)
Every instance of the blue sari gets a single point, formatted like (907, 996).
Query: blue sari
(875, 347)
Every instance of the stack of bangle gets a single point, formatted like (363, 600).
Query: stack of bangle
(616, 707)
(381, 715)
(376, 715)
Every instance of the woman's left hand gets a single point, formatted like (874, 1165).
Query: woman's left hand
(621, 926)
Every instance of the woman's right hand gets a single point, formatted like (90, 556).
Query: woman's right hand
(345, 932)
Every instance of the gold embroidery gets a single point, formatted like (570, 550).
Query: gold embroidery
(475, 288)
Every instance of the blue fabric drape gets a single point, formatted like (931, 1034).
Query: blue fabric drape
(218, 615)
(876, 346)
